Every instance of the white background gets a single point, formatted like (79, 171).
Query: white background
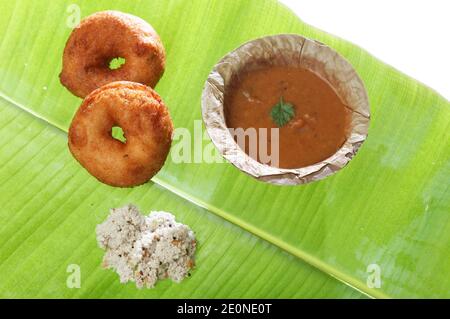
(411, 35)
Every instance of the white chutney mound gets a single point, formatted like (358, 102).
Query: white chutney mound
(145, 249)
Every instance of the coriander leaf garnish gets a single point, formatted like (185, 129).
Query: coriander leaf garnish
(282, 113)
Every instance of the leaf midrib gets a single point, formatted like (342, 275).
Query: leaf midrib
(266, 236)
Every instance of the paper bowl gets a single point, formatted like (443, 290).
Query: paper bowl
(297, 51)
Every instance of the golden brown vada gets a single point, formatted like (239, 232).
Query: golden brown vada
(104, 36)
(146, 124)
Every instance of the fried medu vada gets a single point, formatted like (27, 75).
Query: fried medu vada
(147, 127)
(104, 36)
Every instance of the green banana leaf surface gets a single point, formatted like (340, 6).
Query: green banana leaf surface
(389, 208)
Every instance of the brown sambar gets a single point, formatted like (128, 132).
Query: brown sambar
(321, 122)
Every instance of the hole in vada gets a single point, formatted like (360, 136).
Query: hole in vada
(117, 133)
(116, 63)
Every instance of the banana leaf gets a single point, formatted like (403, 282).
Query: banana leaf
(389, 208)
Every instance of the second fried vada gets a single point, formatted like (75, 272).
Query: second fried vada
(146, 124)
